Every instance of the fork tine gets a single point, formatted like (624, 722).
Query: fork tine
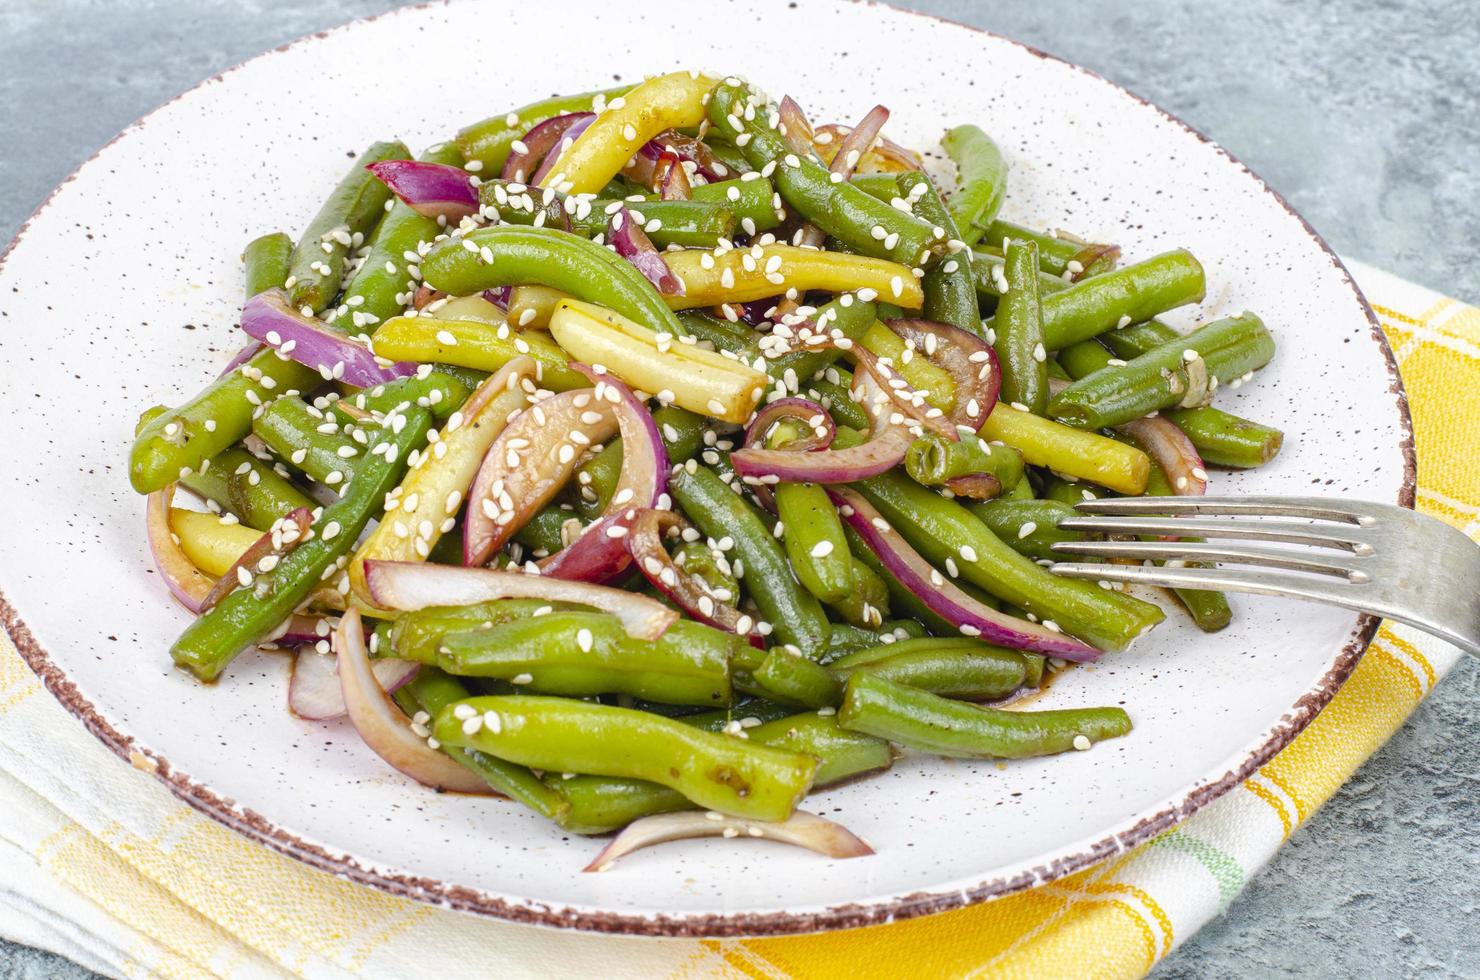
(1298, 561)
(1290, 532)
(1314, 508)
(1322, 589)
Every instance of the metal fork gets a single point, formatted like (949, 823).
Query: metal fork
(1377, 558)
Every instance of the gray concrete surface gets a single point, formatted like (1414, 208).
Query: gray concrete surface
(1365, 114)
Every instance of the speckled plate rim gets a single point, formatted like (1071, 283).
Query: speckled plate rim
(852, 915)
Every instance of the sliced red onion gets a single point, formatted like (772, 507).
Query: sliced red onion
(186, 582)
(645, 530)
(642, 168)
(808, 412)
(756, 311)
(1173, 452)
(796, 129)
(830, 136)
(425, 296)
(802, 829)
(241, 357)
(943, 596)
(383, 726)
(858, 142)
(528, 464)
(970, 361)
(671, 178)
(315, 694)
(407, 586)
(568, 138)
(888, 441)
(434, 190)
(285, 534)
(270, 318)
(977, 486)
(301, 629)
(599, 553)
(910, 402)
(538, 142)
(499, 296)
(1095, 255)
(632, 243)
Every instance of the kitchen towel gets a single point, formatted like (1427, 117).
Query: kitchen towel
(100, 863)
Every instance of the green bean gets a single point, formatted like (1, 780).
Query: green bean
(1085, 357)
(354, 208)
(717, 772)
(794, 614)
(950, 286)
(842, 754)
(1227, 440)
(728, 154)
(947, 533)
(682, 432)
(1069, 492)
(585, 653)
(850, 316)
(177, 442)
(245, 486)
(982, 178)
(990, 276)
(748, 713)
(699, 560)
(790, 677)
(1063, 449)
(1030, 527)
(267, 259)
(813, 535)
(429, 692)
(439, 392)
(609, 803)
(723, 335)
(921, 720)
(417, 635)
(1057, 254)
(695, 223)
(476, 344)
(847, 638)
(250, 613)
(1126, 295)
(383, 285)
(1018, 333)
(868, 226)
(866, 602)
(543, 533)
(974, 674)
(836, 400)
(601, 804)
(936, 461)
(1209, 610)
(1023, 491)
(546, 257)
(1182, 369)
(487, 144)
(901, 598)
(751, 198)
(1220, 438)
(317, 443)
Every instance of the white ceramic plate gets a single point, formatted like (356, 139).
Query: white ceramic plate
(123, 290)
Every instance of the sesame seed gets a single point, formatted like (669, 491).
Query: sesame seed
(1082, 743)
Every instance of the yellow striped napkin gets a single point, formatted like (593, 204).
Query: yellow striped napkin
(102, 864)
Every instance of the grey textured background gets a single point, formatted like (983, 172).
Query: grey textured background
(1365, 114)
